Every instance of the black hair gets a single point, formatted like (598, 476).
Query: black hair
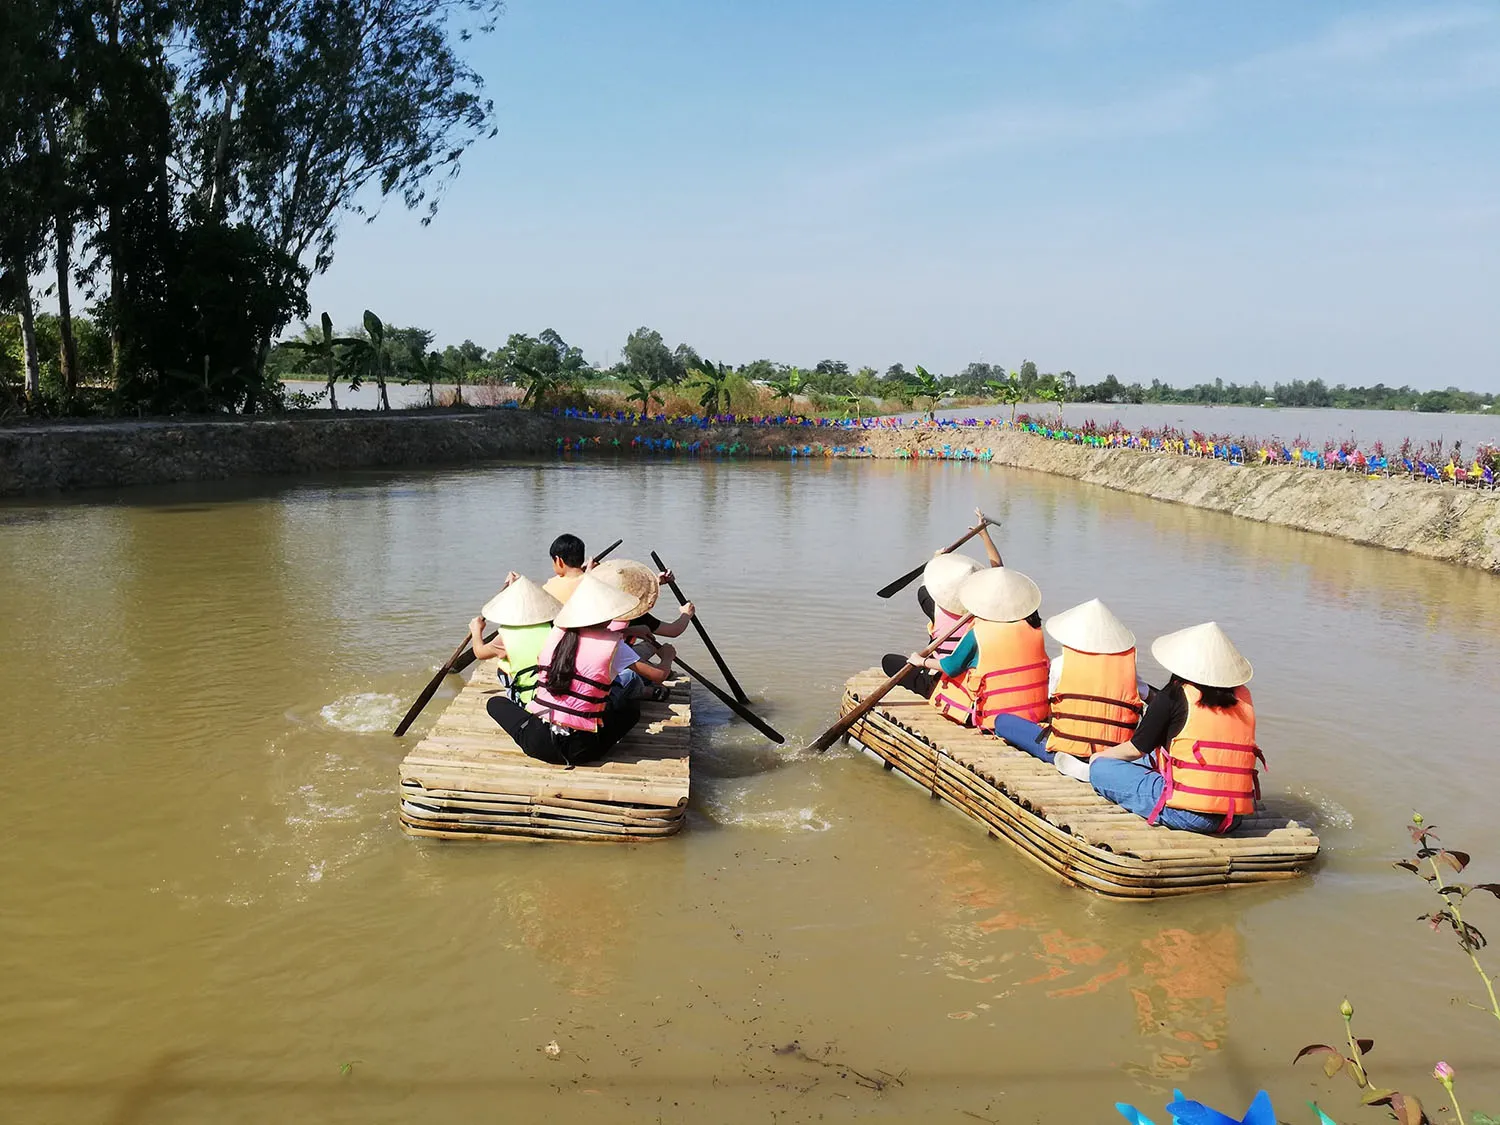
(568, 549)
(564, 661)
(1035, 620)
(1215, 698)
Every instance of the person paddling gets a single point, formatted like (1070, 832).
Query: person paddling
(1000, 666)
(524, 613)
(1201, 728)
(568, 720)
(1092, 688)
(938, 597)
(568, 559)
(633, 672)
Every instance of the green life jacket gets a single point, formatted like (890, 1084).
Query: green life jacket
(523, 646)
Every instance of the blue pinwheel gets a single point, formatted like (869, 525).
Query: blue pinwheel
(1186, 1112)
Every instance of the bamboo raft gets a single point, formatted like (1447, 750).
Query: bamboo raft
(467, 780)
(1062, 824)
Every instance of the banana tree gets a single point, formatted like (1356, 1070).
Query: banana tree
(368, 357)
(428, 369)
(713, 378)
(642, 391)
(1050, 390)
(787, 386)
(925, 385)
(1007, 392)
(324, 351)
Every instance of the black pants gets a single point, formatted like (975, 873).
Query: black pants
(576, 748)
(918, 680)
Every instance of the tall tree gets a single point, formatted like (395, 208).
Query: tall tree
(314, 102)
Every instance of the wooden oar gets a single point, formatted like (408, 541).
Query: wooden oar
(906, 579)
(725, 698)
(866, 705)
(462, 657)
(734, 685)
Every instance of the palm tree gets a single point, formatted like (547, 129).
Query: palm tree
(1008, 392)
(713, 378)
(324, 351)
(787, 386)
(642, 391)
(368, 356)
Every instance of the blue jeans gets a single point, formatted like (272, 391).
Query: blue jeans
(1137, 786)
(628, 685)
(1023, 734)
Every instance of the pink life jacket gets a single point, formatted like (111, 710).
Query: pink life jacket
(578, 704)
(942, 621)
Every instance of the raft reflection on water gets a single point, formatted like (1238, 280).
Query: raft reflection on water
(1178, 977)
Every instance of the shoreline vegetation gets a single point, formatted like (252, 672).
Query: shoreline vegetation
(546, 371)
(1447, 518)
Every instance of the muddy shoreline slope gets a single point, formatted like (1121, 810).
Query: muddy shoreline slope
(1453, 524)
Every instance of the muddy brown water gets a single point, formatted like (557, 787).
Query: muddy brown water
(210, 912)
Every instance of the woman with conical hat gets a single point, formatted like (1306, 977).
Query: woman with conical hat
(938, 597)
(1092, 688)
(524, 613)
(1200, 729)
(633, 669)
(1000, 667)
(568, 720)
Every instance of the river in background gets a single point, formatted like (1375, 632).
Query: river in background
(211, 912)
(1317, 425)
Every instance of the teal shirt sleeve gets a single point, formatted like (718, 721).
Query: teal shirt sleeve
(965, 656)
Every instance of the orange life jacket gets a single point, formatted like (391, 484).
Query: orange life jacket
(941, 622)
(1008, 678)
(1210, 765)
(1097, 703)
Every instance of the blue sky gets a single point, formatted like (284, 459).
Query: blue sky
(1166, 190)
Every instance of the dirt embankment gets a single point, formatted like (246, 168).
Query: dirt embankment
(1453, 524)
(1441, 522)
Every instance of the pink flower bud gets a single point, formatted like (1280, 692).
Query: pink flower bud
(1443, 1072)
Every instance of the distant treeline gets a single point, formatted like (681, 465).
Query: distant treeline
(547, 368)
(646, 360)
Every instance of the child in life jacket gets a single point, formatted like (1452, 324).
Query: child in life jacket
(1200, 729)
(634, 672)
(938, 597)
(568, 720)
(568, 566)
(1093, 691)
(524, 613)
(1000, 666)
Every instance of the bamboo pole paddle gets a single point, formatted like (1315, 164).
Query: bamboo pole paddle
(906, 579)
(866, 705)
(734, 685)
(462, 657)
(728, 700)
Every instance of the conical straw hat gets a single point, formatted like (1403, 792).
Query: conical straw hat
(636, 579)
(1204, 655)
(1090, 627)
(594, 603)
(523, 602)
(944, 575)
(998, 593)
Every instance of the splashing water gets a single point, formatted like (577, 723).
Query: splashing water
(365, 712)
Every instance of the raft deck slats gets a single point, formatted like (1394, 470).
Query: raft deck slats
(467, 780)
(1062, 824)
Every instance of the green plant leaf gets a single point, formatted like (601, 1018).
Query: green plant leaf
(1483, 1119)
